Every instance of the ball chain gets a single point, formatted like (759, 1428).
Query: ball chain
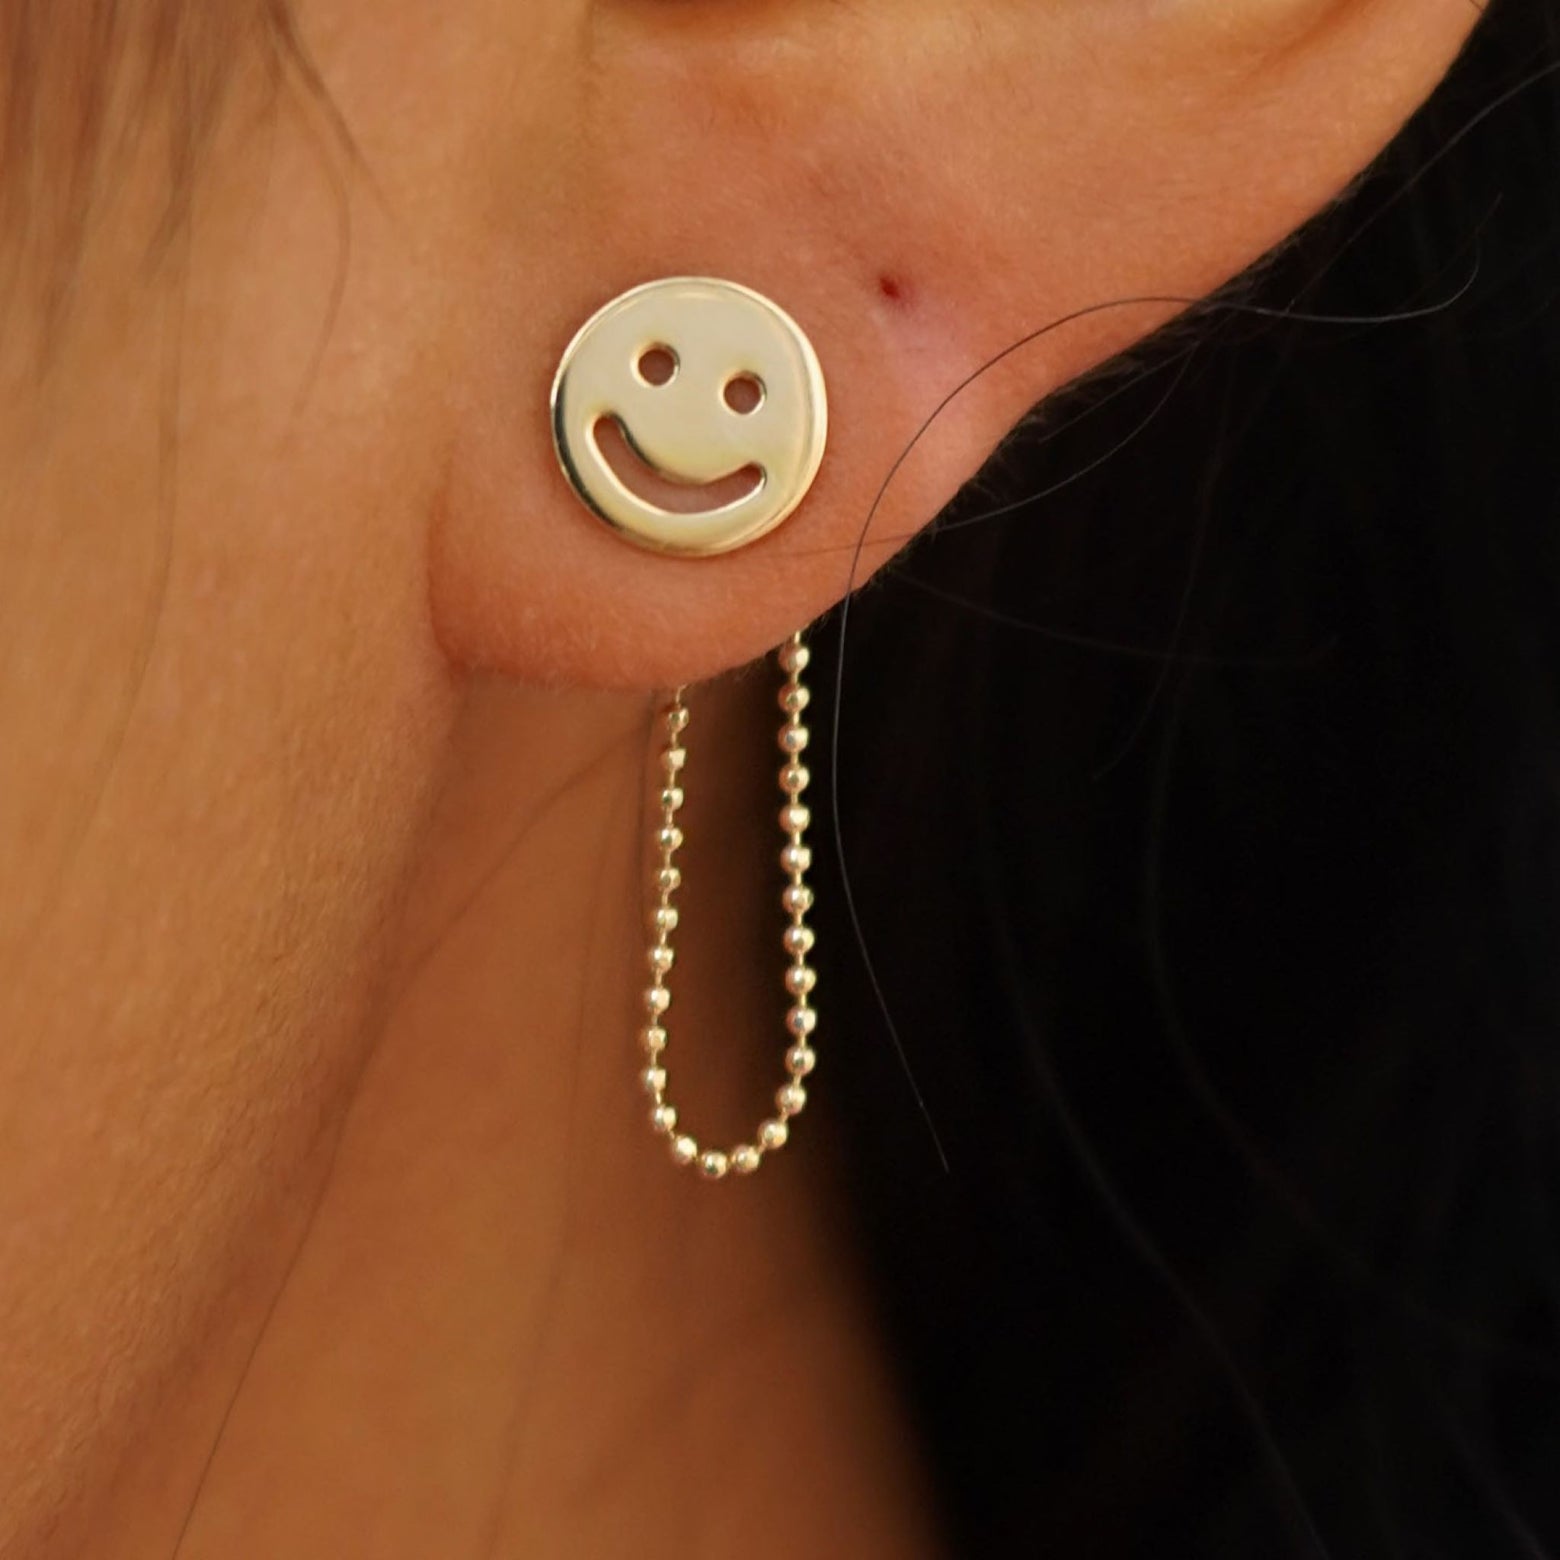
(796, 899)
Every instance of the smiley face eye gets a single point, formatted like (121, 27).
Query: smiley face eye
(657, 365)
(743, 393)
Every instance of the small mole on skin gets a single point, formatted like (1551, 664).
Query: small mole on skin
(891, 288)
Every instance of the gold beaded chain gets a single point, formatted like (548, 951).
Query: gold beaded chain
(796, 899)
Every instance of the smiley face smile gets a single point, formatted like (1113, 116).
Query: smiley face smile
(667, 490)
(690, 415)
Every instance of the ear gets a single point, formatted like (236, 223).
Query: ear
(918, 186)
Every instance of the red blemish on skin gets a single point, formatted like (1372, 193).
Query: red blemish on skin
(891, 288)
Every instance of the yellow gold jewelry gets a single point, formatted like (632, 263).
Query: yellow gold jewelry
(706, 383)
(796, 899)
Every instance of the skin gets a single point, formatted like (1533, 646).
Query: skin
(329, 1222)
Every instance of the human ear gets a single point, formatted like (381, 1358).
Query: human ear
(918, 186)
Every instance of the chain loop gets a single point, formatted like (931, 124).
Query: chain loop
(796, 898)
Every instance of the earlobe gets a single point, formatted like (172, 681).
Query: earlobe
(917, 190)
(1246, 33)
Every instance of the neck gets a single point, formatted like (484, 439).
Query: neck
(498, 1320)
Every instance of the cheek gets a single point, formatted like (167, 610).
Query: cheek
(224, 710)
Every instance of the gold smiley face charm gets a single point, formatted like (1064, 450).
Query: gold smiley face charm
(712, 402)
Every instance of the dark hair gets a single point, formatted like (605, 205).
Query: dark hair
(1203, 816)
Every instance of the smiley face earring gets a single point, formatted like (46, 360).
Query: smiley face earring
(714, 400)
(701, 383)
